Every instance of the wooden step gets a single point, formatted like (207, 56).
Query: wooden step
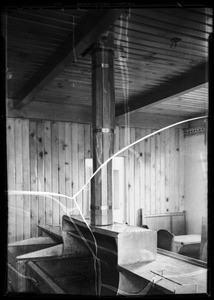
(30, 245)
(54, 251)
(24, 249)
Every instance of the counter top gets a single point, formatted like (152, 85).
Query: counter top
(178, 276)
(110, 230)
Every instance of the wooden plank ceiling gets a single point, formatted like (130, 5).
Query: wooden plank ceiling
(187, 105)
(160, 53)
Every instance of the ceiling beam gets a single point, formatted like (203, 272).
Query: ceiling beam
(96, 22)
(149, 120)
(175, 87)
(83, 115)
(51, 112)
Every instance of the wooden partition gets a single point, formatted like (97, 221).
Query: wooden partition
(154, 172)
(174, 222)
(43, 156)
(51, 156)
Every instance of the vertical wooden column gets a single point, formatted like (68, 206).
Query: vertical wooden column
(103, 119)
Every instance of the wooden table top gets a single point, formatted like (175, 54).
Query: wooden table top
(180, 276)
(187, 239)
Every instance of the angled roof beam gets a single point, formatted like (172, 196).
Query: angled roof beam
(176, 86)
(97, 22)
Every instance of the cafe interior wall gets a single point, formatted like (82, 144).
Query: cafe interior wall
(195, 186)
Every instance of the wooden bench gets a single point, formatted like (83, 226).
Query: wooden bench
(112, 245)
(175, 222)
(126, 261)
(86, 262)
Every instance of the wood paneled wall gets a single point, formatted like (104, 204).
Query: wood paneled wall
(50, 156)
(43, 156)
(154, 172)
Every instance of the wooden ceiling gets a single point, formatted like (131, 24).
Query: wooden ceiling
(161, 57)
(189, 104)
